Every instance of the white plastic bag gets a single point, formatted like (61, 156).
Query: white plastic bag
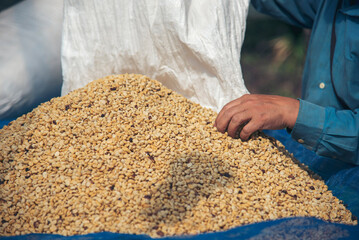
(191, 46)
(30, 55)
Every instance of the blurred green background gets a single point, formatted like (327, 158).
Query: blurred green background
(272, 54)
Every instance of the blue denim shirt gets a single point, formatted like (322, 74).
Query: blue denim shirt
(328, 119)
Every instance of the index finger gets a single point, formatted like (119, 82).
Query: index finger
(225, 109)
(224, 119)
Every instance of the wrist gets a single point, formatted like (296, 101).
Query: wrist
(292, 112)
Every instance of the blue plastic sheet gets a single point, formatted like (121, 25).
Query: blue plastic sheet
(292, 228)
(4, 122)
(341, 178)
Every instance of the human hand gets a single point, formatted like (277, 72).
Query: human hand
(256, 112)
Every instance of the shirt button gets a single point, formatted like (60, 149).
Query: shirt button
(301, 140)
(321, 85)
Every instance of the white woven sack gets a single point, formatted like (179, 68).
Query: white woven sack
(191, 46)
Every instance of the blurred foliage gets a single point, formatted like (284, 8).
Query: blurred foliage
(273, 57)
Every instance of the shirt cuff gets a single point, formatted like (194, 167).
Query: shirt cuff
(308, 128)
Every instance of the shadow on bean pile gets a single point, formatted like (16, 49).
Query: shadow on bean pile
(192, 178)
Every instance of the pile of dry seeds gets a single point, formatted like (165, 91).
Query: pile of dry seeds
(126, 154)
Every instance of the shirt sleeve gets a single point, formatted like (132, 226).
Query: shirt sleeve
(300, 13)
(328, 132)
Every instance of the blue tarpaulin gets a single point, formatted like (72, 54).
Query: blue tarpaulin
(341, 178)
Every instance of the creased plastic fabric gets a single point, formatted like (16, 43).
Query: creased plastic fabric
(192, 47)
(30, 55)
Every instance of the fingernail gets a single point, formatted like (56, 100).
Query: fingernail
(237, 134)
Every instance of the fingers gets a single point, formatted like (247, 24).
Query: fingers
(248, 130)
(225, 118)
(257, 112)
(237, 122)
(225, 115)
(246, 115)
